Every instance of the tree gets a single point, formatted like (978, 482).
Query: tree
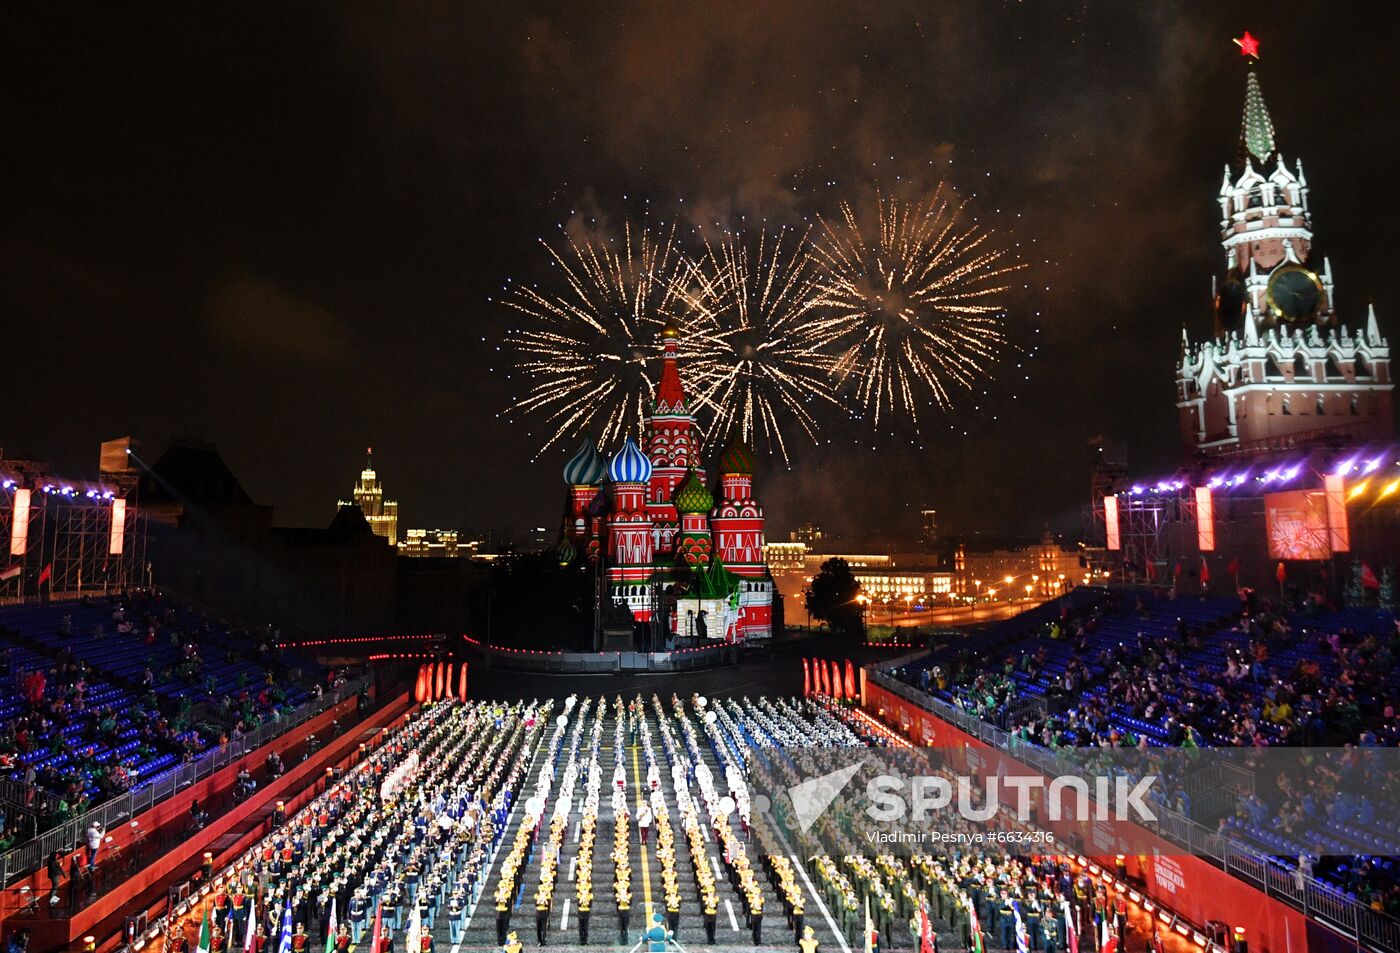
(1356, 591)
(831, 597)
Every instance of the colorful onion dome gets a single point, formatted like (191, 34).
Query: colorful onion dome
(630, 465)
(586, 466)
(566, 552)
(692, 497)
(737, 457)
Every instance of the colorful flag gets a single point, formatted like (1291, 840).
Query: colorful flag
(1023, 936)
(204, 942)
(1071, 934)
(806, 680)
(1234, 566)
(413, 941)
(249, 941)
(1280, 573)
(1368, 578)
(1205, 571)
(869, 929)
(46, 575)
(1109, 942)
(284, 941)
(928, 940)
(375, 934)
(330, 929)
(974, 926)
(11, 572)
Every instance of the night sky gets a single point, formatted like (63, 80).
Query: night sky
(278, 227)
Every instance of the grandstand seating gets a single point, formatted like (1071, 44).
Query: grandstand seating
(122, 679)
(1126, 668)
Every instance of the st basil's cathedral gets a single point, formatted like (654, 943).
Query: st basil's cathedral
(672, 543)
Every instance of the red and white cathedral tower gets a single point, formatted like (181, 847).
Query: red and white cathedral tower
(630, 530)
(671, 444)
(661, 529)
(1282, 369)
(737, 520)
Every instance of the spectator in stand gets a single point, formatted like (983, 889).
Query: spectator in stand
(54, 868)
(93, 839)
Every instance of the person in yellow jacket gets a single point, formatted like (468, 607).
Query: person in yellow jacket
(808, 943)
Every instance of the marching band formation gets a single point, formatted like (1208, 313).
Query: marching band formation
(409, 839)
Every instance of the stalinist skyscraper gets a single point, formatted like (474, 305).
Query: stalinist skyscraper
(381, 514)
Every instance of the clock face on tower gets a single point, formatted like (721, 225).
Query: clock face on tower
(1294, 294)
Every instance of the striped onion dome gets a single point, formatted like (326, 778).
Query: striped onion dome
(586, 466)
(737, 457)
(566, 552)
(630, 465)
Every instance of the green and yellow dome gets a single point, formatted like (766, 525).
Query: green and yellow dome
(692, 497)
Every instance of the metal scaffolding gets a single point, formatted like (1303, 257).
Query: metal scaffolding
(76, 544)
(1145, 520)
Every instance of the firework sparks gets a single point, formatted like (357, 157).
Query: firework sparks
(755, 351)
(914, 313)
(585, 348)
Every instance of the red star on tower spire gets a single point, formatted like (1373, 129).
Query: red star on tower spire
(1249, 45)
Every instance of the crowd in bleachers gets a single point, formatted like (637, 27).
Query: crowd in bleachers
(108, 693)
(1136, 670)
(1128, 669)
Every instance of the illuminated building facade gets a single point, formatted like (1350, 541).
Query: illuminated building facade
(1039, 572)
(381, 514)
(1282, 369)
(432, 542)
(673, 548)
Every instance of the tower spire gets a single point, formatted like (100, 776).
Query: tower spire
(1257, 129)
(670, 396)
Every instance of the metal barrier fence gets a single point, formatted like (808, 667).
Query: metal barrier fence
(68, 836)
(1367, 927)
(606, 662)
(25, 795)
